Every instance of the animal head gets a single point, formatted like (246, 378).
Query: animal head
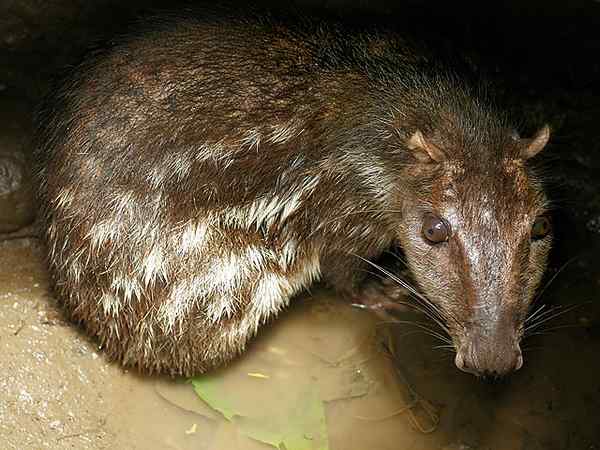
(476, 234)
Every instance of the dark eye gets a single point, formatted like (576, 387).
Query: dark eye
(541, 227)
(435, 229)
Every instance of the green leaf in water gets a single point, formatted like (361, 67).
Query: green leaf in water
(210, 389)
(297, 422)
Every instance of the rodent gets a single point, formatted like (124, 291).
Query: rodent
(198, 174)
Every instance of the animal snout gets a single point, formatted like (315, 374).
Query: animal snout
(484, 360)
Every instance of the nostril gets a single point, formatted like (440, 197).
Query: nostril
(459, 361)
(519, 362)
(463, 364)
(491, 363)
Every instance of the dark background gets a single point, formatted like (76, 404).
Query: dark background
(545, 57)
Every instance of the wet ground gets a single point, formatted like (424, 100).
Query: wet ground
(58, 392)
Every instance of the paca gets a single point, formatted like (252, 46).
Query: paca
(200, 172)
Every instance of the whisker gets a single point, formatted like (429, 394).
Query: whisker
(409, 305)
(447, 347)
(535, 313)
(529, 349)
(445, 357)
(550, 315)
(540, 333)
(553, 312)
(554, 309)
(425, 328)
(420, 325)
(545, 314)
(422, 308)
(397, 256)
(409, 333)
(417, 295)
(556, 328)
(554, 277)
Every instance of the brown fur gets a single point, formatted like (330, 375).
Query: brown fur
(267, 140)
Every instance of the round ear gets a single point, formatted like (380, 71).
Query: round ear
(531, 147)
(423, 150)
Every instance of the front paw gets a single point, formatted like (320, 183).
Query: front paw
(384, 298)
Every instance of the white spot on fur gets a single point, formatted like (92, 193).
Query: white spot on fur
(256, 257)
(222, 306)
(310, 269)
(218, 289)
(102, 232)
(153, 266)
(216, 151)
(288, 254)
(270, 294)
(224, 273)
(172, 167)
(265, 210)
(274, 291)
(128, 288)
(110, 304)
(270, 209)
(242, 278)
(232, 275)
(193, 237)
(184, 295)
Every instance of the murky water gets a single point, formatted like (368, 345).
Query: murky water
(57, 391)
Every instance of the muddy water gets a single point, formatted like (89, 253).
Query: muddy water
(57, 390)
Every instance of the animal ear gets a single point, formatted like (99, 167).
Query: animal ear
(424, 150)
(531, 147)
